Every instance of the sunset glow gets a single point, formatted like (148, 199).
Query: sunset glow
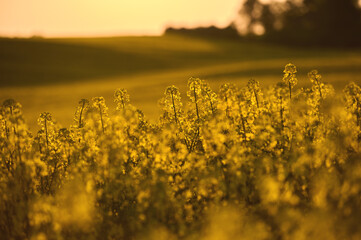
(110, 17)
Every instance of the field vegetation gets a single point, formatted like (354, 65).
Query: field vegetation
(53, 74)
(249, 161)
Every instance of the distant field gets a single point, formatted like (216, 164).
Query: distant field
(53, 74)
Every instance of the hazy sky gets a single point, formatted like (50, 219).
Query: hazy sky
(53, 18)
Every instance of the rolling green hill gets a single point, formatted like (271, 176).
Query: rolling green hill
(53, 74)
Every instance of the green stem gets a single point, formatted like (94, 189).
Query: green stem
(228, 115)
(195, 101)
(210, 101)
(290, 88)
(7, 130)
(243, 126)
(101, 117)
(46, 133)
(123, 104)
(81, 113)
(255, 95)
(319, 89)
(174, 110)
(281, 113)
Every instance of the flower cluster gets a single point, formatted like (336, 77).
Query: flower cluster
(246, 162)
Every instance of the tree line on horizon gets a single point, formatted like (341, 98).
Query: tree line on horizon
(295, 22)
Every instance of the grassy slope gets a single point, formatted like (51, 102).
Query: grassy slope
(53, 74)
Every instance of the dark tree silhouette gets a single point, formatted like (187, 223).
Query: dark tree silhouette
(309, 22)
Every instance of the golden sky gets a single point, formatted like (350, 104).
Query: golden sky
(55, 18)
